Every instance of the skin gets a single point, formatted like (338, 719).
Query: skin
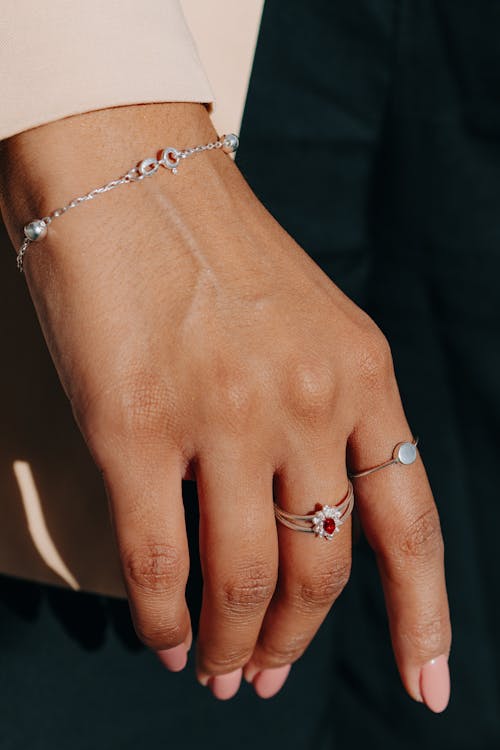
(195, 339)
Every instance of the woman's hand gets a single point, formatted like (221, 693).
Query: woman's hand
(195, 339)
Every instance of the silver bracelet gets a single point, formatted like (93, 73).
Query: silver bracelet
(170, 158)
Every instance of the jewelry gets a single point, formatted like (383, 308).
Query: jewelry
(403, 453)
(170, 158)
(325, 521)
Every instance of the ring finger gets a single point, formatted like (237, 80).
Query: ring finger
(312, 571)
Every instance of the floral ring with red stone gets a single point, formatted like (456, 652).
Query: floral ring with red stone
(324, 522)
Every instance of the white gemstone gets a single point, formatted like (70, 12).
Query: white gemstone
(407, 453)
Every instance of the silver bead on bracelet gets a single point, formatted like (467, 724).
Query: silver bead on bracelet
(170, 159)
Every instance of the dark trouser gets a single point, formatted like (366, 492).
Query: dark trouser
(372, 132)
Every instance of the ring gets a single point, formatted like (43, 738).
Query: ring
(403, 453)
(325, 521)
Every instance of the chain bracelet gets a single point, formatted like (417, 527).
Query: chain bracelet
(170, 159)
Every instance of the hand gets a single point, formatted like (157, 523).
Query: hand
(195, 339)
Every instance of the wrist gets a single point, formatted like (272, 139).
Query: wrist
(46, 167)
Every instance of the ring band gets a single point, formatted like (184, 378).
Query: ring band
(404, 453)
(323, 522)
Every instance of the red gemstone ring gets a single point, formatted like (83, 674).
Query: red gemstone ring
(324, 522)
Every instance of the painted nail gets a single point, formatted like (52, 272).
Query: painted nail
(224, 686)
(250, 671)
(174, 659)
(435, 683)
(270, 681)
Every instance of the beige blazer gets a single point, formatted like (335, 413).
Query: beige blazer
(59, 59)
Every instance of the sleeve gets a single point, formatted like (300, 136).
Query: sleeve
(60, 58)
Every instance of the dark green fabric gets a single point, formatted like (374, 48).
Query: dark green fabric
(372, 132)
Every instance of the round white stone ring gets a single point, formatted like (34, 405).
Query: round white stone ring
(403, 453)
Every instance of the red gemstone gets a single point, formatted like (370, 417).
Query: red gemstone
(329, 525)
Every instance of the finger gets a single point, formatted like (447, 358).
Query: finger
(401, 522)
(239, 555)
(145, 497)
(312, 570)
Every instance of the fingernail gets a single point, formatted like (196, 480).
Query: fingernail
(270, 681)
(435, 683)
(175, 659)
(249, 672)
(224, 686)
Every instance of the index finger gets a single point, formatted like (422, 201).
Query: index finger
(144, 489)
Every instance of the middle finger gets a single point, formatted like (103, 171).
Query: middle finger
(239, 556)
(312, 570)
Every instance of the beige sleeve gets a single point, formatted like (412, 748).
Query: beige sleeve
(61, 58)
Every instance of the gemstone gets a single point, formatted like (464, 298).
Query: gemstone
(407, 453)
(329, 525)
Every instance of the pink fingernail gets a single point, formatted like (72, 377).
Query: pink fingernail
(175, 659)
(435, 683)
(224, 686)
(270, 681)
(250, 671)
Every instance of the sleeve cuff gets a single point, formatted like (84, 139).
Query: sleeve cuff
(59, 59)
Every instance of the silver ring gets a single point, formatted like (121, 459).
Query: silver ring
(324, 522)
(404, 453)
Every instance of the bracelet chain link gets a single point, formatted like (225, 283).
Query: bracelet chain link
(170, 159)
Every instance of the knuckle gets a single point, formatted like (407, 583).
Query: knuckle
(144, 409)
(250, 591)
(431, 636)
(157, 637)
(138, 406)
(422, 537)
(321, 591)
(374, 358)
(277, 653)
(310, 388)
(155, 568)
(234, 394)
(224, 661)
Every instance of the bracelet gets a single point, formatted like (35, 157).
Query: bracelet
(170, 158)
